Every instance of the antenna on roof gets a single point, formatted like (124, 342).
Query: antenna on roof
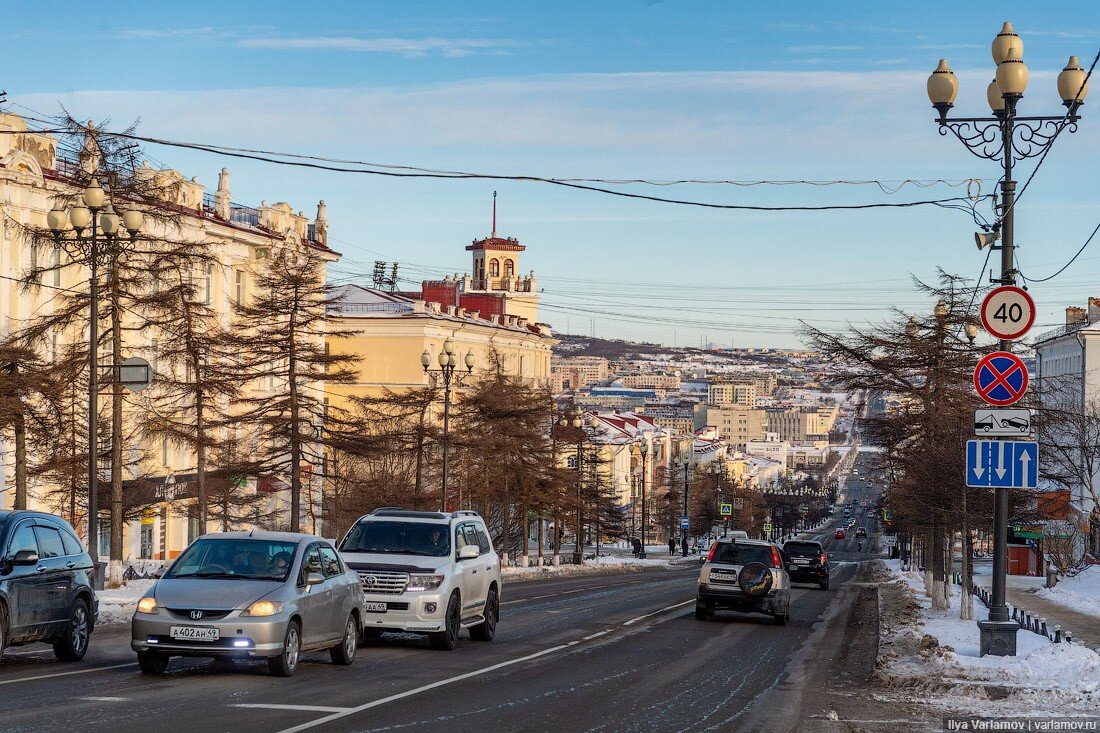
(494, 234)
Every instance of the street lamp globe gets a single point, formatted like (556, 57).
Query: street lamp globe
(80, 217)
(578, 421)
(442, 358)
(971, 330)
(449, 346)
(1012, 75)
(943, 87)
(1073, 84)
(995, 98)
(912, 328)
(469, 360)
(133, 220)
(942, 308)
(426, 358)
(1006, 41)
(56, 219)
(94, 196)
(109, 221)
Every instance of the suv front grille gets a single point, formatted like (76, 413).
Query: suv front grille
(383, 582)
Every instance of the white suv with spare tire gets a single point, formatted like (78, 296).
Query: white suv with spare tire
(430, 573)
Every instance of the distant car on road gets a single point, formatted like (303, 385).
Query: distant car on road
(748, 576)
(252, 595)
(46, 584)
(839, 534)
(807, 562)
(861, 532)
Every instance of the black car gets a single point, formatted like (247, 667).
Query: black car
(45, 585)
(808, 562)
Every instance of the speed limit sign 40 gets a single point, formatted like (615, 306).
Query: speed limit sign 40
(1008, 312)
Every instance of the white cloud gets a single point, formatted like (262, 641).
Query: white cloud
(410, 47)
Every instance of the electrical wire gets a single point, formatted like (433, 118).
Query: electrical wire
(1063, 267)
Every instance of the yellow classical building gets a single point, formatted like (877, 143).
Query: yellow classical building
(491, 314)
(34, 175)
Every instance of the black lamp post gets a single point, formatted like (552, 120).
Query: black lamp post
(647, 441)
(445, 373)
(687, 465)
(92, 212)
(1004, 138)
(576, 420)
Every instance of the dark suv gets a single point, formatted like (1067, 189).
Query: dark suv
(45, 585)
(807, 562)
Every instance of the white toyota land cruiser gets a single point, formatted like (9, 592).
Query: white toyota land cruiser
(426, 572)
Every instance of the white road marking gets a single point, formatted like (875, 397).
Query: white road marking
(565, 593)
(424, 688)
(306, 708)
(636, 619)
(106, 699)
(66, 674)
(598, 634)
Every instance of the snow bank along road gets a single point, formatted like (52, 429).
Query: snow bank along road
(617, 652)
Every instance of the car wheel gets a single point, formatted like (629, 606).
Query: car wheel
(701, 612)
(782, 619)
(344, 652)
(447, 639)
(152, 662)
(286, 664)
(74, 644)
(487, 629)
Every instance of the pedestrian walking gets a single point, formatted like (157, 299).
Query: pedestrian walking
(684, 545)
(637, 547)
(671, 545)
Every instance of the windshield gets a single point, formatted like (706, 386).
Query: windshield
(398, 538)
(734, 553)
(802, 548)
(238, 559)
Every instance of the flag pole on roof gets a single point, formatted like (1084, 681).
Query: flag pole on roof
(494, 234)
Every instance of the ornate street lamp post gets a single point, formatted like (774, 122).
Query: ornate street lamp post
(576, 420)
(1006, 137)
(94, 211)
(447, 362)
(687, 465)
(647, 441)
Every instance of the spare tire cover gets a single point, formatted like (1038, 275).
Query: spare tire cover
(755, 579)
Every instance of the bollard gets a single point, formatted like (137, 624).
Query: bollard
(1069, 637)
(1043, 627)
(1013, 614)
(1057, 634)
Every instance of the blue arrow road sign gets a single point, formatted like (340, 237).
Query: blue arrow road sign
(1002, 464)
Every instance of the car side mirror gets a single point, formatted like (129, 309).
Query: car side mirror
(830, 554)
(314, 579)
(25, 557)
(469, 552)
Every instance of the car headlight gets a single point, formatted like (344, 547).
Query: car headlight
(421, 582)
(148, 604)
(263, 608)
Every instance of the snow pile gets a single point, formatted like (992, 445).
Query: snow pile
(936, 654)
(116, 605)
(602, 564)
(1081, 592)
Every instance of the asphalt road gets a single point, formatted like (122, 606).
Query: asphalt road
(595, 653)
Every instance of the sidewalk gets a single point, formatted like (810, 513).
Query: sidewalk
(1085, 627)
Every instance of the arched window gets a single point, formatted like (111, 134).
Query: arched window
(494, 268)
(509, 268)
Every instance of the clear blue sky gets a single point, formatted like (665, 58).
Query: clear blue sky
(722, 90)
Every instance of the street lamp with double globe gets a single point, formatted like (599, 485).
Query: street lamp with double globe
(95, 215)
(1005, 138)
(447, 361)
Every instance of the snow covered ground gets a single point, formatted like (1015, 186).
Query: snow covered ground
(1081, 592)
(657, 557)
(116, 605)
(937, 653)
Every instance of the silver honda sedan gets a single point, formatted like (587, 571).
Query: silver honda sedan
(270, 595)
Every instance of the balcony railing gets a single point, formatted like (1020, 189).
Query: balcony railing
(340, 308)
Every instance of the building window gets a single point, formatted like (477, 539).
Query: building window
(494, 268)
(208, 285)
(55, 266)
(164, 451)
(509, 268)
(239, 285)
